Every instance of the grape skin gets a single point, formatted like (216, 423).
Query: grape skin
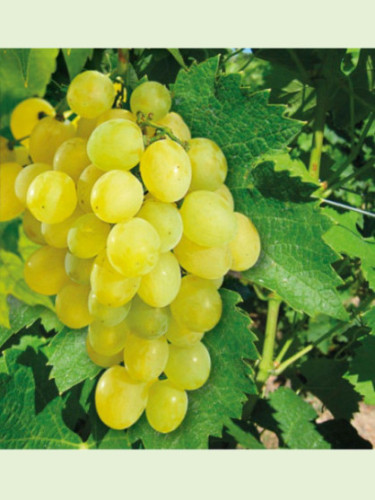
(10, 205)
(166, 407)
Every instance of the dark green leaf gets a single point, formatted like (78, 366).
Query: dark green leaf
(342, 436)
(75, 60)
(177, 55)
(350, 61)
(361, 372)
(245, 439)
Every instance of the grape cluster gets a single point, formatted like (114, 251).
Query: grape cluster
(137, 230)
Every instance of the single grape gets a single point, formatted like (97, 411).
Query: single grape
(166, 170)
(99, 359)
(109, 316)
(33, 228)
(119, 400)
(85, 126)
(10, 205)
(147, 322)
(245, 247)
(166, 407)
(116, 144)
(145, 359)
(115, 113)
(177, 125)
(47, 136)
(133, 247)
(217, 282)
(151, 98)
(56, 235)
(25, 178)
(85, 184)
(107, 340)
(72, 305)
(78, 270)
(27, 114)
(90, 94)
(207, 218)
(44, 270)
(188, 367)
(208, 165)
(198, 305)
(71, 157)
(87, 236)
(179, 335)
(116, 196)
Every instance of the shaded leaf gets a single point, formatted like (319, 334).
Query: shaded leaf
(361, 372)
(245, 439)
(342, 436)
(75, 60)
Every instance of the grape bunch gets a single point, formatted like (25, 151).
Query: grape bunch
(136, 231)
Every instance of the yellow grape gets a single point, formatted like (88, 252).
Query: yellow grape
(47, 136)
(44, 270)
(110, 287)
(161, 285)
(99, 359)
(225, 193)
(151, 98)
(166, 219)
(26, 116)
(188, 367)
(10, 205)
(71, 157)
(33, 228)
(109, 316)
(25, 178)
(147, 322)
(107, 340)
(207, 218)
(119, 400)
(208, 165)
(72, 305)
(166, 170)
(217, 282)
(245, 247)
(145, 359)
(56, 235)
(10, 154)
(198, 305)
(177, 125)
(116, 196)
(116, 144)
(180, 335)
(133, 247)
(166, 407)
(52, 197)
(85, 184)
(205, 262)
(78, 270)
(115, 113)
(90, 94)
(87, 236)
(85, 126)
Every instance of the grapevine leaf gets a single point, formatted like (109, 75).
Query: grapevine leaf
(222, 397)
(244, 125)
(324, 379)
(69, 359)
(295, 262)
(342, 436)
(75, 59)
(369, 319)
(177, 55)
(3, 365)
(23, 73)
(361, 372)
(294, 417)
(22, 425)
(245, 439)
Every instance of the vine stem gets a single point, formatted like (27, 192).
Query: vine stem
(266, 365)
(292, 359)
(160, 131)
(319, 122)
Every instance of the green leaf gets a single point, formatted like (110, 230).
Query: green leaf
(242, 124)
(177, 55)
(294, 417)
(361, 372)
(22, 425)
(69, 359)
(245, 439)
(295, 262)
(350, 61)
(342, 436)
(23, 73)
(12, 283)
(75, 59)
(221, 398)
(318, 327)
(369, 319)
(325, 380)
(3, 365)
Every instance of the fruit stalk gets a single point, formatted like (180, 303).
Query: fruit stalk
(265, 366)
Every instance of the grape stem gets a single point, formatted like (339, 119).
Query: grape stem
(161, 132)
(319, 122)
(266, 364)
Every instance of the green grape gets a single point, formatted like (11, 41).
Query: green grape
(33, 228)
(44, 270)
(207, 218)
(25, 178)
(225, 193)
(151, 98)
(47, 136)
(245, 247)
(78, 270)
(107, 340)
(116, 196)
(10, 205)
(145, 359)
(119, 400)
(180, 335)
(198, 304)
(90, 94)
(205, 262)
(116, 144)
(72, 305)
(85, 184)
(110, 287)
(161, 285)
(116, 113)
(100, 360)
(188, 367)
(147, 322)
(109, 316)
(177, 125)
(166, 219)
(85, 126)
(56, 235)
(87, 236)
(166, 407)
(208, 165)
(52, 197)
(217, 282)
(71, 157)
(26, 116)
(133, 247)
(166, 170)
